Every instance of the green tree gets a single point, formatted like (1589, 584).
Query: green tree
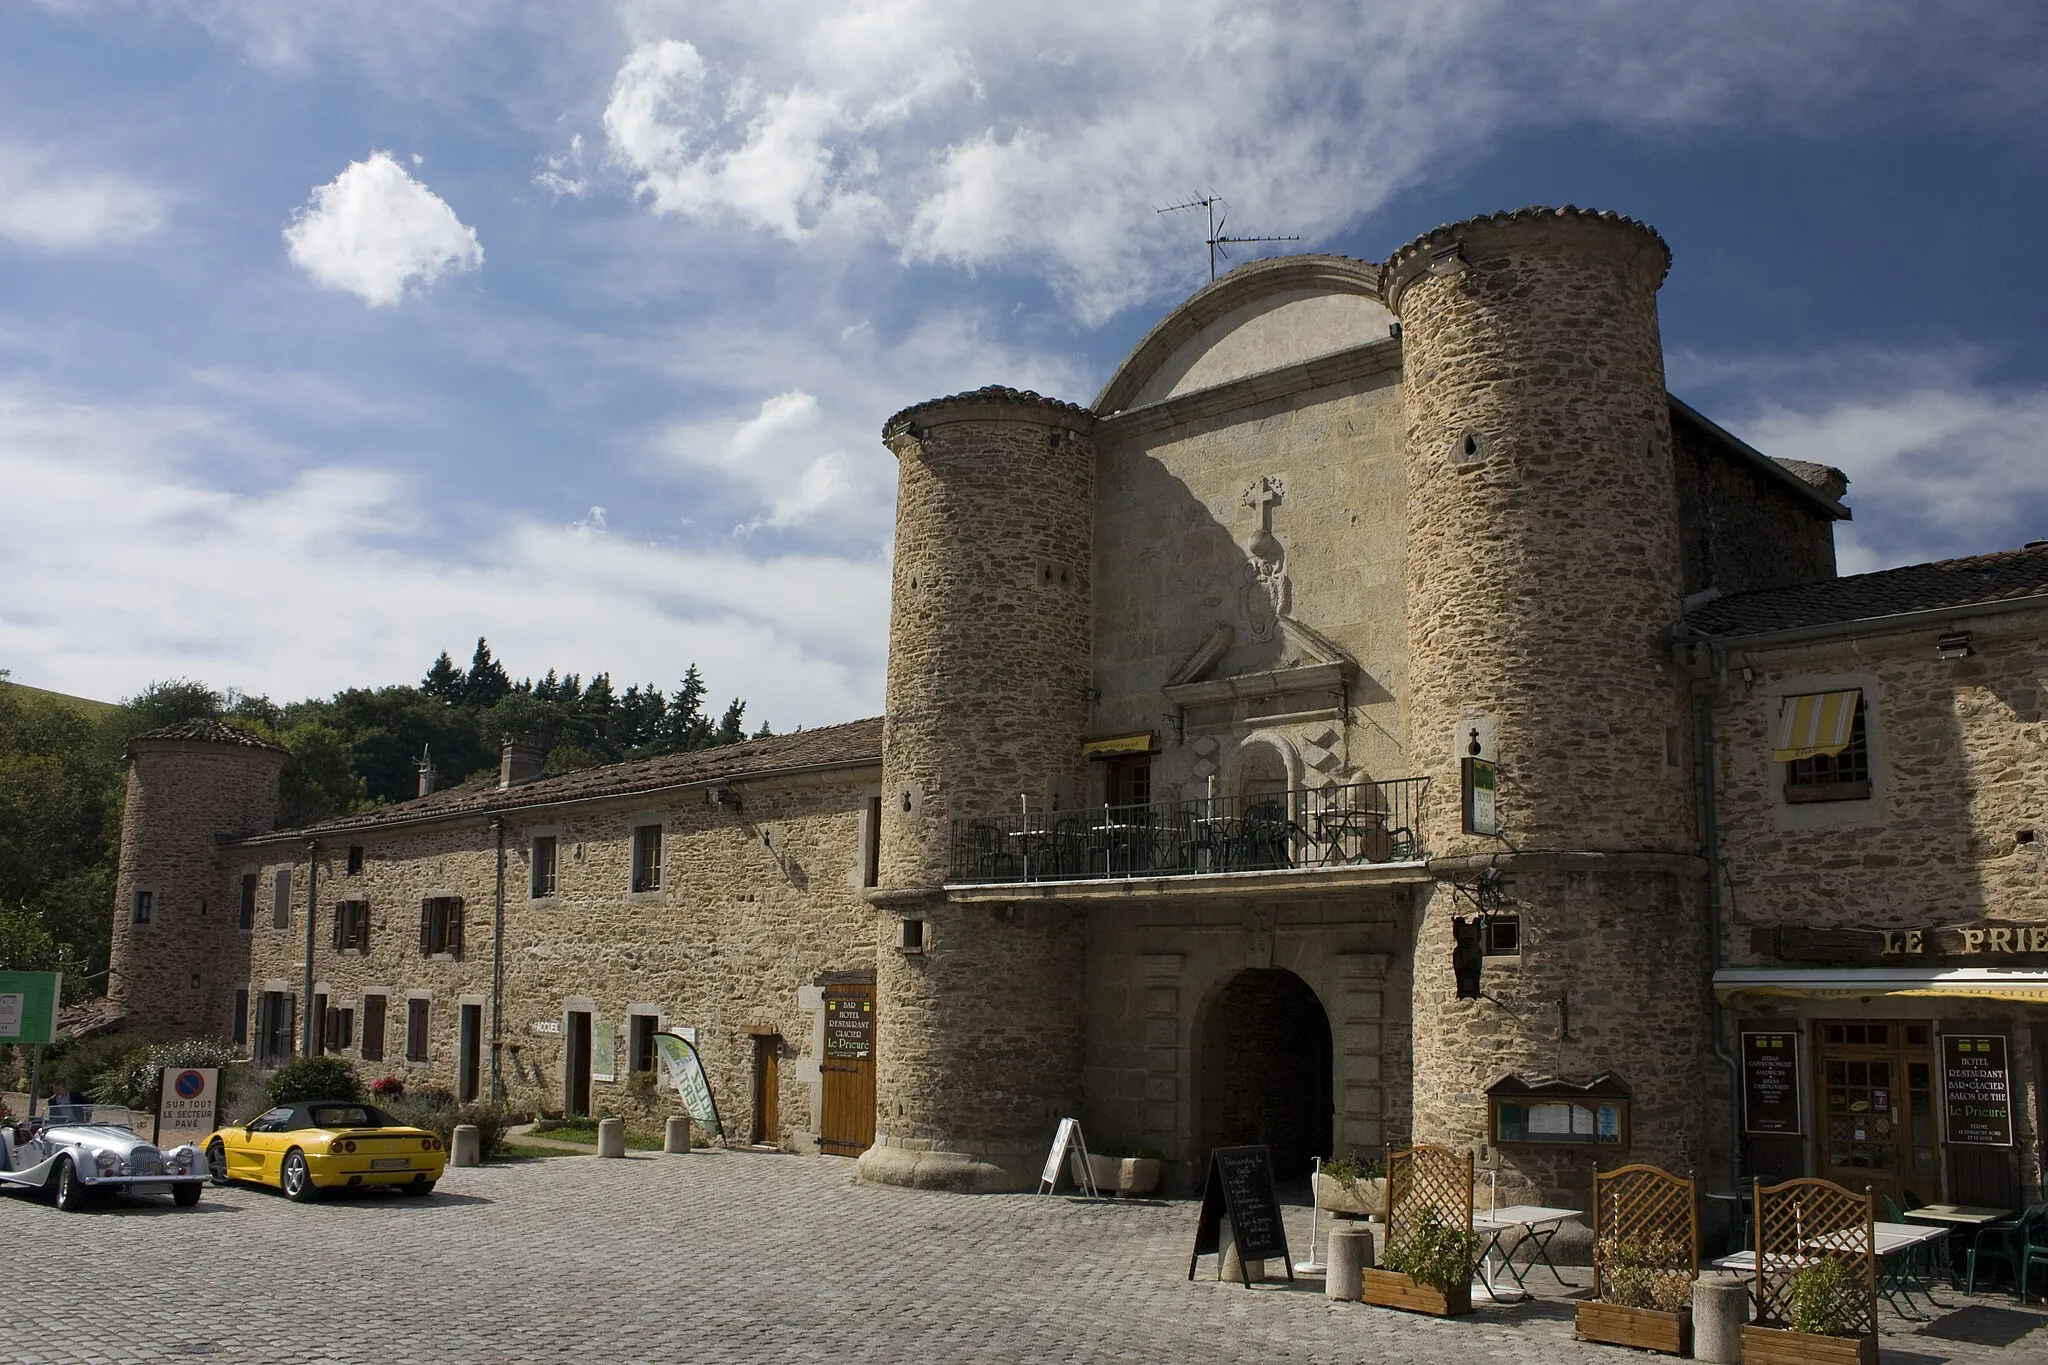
(443, 681)
(486, 683)
(730, 730)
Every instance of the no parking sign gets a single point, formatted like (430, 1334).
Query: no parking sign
(188, 1099)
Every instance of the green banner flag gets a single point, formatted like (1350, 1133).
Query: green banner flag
(686, 1073)
(28, 1006)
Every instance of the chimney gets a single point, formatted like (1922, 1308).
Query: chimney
(519, 761)
(425, 765)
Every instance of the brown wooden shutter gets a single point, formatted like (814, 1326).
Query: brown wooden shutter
(373, 1028)
(338, 930)
(455, 925)
(426, 928)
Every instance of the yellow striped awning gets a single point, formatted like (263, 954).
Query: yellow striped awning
(1815, 723)
(1112, 745)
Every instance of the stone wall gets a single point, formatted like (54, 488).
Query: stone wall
(174, 977)
(755, 905)
(1740, 529)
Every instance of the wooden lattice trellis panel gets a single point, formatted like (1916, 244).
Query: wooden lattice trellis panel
(1646, 1238)
(1802, 1223)
(1425, 1179)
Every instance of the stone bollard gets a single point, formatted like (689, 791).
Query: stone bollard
(1720, 1307)
(465, 1146)
(1351, 1248)
(677, 1138)
(1252, 1271)
(611, 1137)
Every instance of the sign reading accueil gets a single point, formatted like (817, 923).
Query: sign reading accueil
(188, 1099)
(1770, 1084)
(28, 1006)
(1976, 1087)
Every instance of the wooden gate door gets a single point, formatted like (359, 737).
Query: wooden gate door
(767, 1090)
(577, 1101)
(847, 1127)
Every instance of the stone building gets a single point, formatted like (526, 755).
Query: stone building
(1383, 714)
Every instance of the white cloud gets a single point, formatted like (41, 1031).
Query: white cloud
(49, 205)
(333, 575)
(563, 175)
(375, 231)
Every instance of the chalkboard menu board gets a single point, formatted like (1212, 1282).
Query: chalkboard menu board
(1240, 1188)
(849, 1027)
(1770, 1084)
(1976, 1088)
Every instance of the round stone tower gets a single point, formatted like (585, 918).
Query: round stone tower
(978, 1003)
(1543, 582)
(177, 951)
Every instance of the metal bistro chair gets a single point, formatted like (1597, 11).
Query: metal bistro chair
(1265, 838)
(988, 852)
(2035, 1254)
(2009, 1240)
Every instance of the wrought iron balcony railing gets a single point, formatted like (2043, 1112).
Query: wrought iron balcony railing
(1363, 822)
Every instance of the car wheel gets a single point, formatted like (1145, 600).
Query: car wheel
(71, 1191)
(217, 1162)
(424, 1187)
(186, 1194)
(297, 1178)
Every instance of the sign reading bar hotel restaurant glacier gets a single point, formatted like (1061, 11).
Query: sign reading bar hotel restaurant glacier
(1977, 1089)
(1770, 1084)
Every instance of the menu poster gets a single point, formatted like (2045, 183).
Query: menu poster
(1770, 1084)
(1976, 1087)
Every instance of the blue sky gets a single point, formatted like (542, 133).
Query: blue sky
(328, 328)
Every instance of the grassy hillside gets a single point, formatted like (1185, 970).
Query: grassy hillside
(86, 706)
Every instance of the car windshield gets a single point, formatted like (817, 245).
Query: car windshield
(347, 1116)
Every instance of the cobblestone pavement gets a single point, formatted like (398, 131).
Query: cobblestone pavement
(729, 1256)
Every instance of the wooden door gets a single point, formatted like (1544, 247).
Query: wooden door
(1875, 1098)
(577, 1077)
(847, 1127)
(767, 1090)
(468, 1053)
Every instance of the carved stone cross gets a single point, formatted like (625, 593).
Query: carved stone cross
(1263, 495)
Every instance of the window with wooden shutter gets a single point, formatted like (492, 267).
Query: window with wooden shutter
(440, 925)
(454, 938)
(352, 926)
(246, 916)
(427, 927)
(373, 1028)
(281, 899)
(416, 1030)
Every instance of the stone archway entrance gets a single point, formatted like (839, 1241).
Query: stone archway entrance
(1264, 1071)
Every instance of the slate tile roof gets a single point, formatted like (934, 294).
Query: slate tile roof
(2005, 576)
(206, 732)
(853, 742)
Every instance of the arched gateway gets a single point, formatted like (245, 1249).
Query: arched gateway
(1263, 1060)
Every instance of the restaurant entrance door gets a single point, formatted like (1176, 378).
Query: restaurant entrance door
(1875, 1098)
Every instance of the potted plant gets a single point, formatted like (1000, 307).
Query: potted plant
(1828, 1317)
(1428, 1270)
(1645, 1295)
(1347, 1189)
(1125, 1170)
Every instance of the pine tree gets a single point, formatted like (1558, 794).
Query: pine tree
(486, 683)
(764, 732)
(685, 726)
(443, 681)
(730, 731)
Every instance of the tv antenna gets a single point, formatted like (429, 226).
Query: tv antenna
(1218, 243)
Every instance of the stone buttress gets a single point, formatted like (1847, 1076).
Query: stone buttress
(979, 1025)
(1543, 580)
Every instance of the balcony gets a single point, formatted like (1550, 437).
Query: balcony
(1352, 826)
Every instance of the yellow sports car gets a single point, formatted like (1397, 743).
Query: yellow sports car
(304, 1149)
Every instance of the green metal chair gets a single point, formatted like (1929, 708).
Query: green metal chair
(2036, 1254)
(2008, 1240)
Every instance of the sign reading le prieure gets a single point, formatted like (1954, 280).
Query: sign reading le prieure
(1977, 1089)
(1240, 1189)
(1770, 1084)
(849, 1027)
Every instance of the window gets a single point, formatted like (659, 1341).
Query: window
(355, 859)
(373, 1028)
(441, 926)
(910, 936)
(647, 857)
(352, 927)
(1127, 781)
(1823, 743)
(640, 1031)
(274, 1011)
(541, 881)
(240, 1027)
(416, 1030)
(1503, 935)
(145, 907)
(871, 845)
(281, 899)
(245, 919)
(340, 1030)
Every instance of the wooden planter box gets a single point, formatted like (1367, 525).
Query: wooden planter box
(1782, 1346)
(1391, 1289)
(1128, 1175)
(1648, 1329)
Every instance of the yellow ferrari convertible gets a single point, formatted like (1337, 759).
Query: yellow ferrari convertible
(304, 1149)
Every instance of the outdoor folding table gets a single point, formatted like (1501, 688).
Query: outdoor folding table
(1538, 1224)
(1954, 1218)
(1893, 1243)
